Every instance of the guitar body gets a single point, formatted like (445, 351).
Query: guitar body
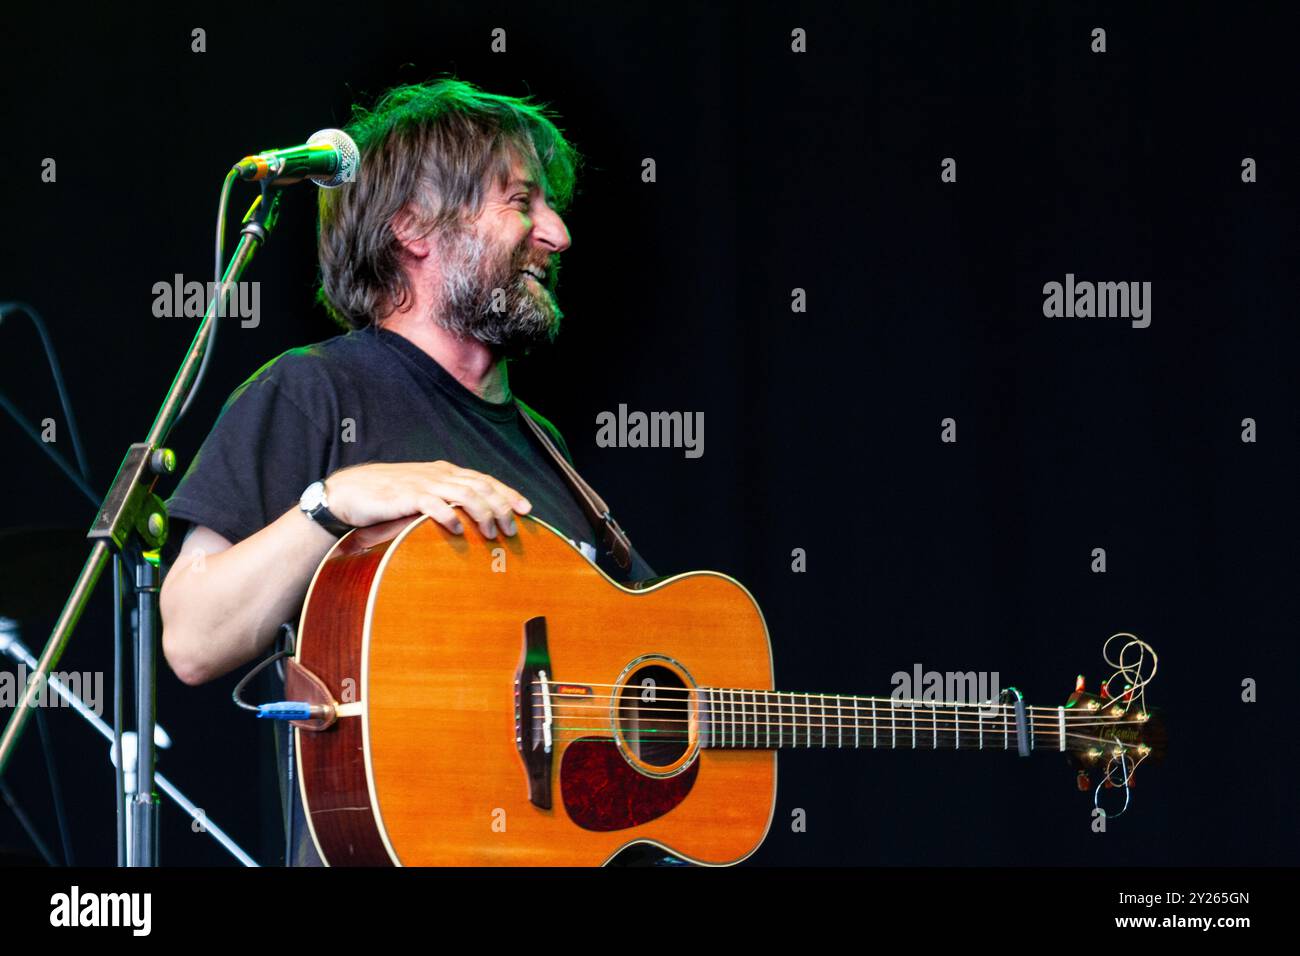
(420, 636)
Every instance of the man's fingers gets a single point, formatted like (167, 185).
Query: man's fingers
(441, 512)
(487, 493)
(483, 513)
(513, 498)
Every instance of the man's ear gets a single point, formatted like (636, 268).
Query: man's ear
(416, 241)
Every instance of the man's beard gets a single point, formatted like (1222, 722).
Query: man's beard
(487, 296)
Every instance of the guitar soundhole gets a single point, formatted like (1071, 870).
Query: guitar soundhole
(654, 717)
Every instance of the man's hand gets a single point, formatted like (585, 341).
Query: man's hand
(222, 604)
(368, 494)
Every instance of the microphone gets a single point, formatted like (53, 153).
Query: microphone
(329, 158)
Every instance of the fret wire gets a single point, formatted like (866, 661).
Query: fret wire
(729, 708)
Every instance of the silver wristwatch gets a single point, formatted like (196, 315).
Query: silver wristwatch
(314, 506)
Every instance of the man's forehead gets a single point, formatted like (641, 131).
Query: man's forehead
(521, 177)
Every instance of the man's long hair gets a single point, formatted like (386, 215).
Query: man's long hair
(431, 148)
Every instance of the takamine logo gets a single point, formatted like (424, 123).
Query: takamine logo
(103, 909)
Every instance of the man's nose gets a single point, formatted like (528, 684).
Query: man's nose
(549, 230)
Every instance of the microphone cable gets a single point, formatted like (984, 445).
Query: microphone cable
(218, 269)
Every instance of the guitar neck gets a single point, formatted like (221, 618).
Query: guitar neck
(735, 719)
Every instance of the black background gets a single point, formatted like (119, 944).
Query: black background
(775, 171)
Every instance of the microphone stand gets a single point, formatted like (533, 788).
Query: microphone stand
(13, 647)
(131, 521)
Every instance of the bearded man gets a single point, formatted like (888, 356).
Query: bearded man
(441, 259)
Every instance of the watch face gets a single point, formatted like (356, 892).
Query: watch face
(313, 497)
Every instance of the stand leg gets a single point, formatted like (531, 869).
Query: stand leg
(119, 675)
(146, 587)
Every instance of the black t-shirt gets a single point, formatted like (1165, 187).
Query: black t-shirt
(367, 396)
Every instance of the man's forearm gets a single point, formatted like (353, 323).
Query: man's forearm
(222, 610)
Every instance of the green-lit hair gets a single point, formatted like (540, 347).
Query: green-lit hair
(431, 148)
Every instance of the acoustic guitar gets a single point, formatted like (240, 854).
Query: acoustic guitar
(503, 702)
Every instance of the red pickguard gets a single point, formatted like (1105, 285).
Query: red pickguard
(602, 792)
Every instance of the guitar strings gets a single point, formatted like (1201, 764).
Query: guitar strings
(927, 734)
(715, 693)
(922, 742)
(750, 708)
(740, 733)
(735, 712)
(993, 725)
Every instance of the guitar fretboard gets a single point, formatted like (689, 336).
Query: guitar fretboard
(772, 720)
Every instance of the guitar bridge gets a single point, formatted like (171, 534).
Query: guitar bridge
(533, 713)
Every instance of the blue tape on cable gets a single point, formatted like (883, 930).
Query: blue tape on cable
(286, 710)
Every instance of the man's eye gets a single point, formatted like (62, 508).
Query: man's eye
(523, 199)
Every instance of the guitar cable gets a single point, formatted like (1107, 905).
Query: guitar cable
(280, 709)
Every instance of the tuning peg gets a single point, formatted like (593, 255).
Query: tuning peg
(1105, 692)
(1078, 684)
(1083, 781)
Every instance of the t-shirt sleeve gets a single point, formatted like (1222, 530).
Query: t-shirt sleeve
(252, 468)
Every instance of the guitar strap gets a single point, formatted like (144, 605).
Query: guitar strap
(593, 505)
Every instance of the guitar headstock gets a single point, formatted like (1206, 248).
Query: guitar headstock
(1109, 734)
